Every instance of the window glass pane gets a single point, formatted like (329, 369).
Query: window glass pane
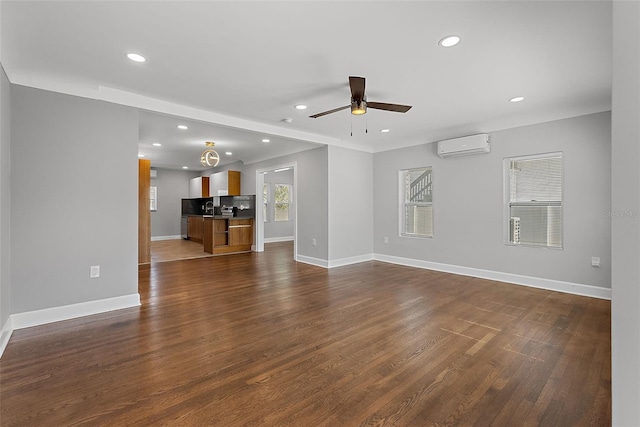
(416, 187)
(265, 202)
(419, 220)
(535, 200)
(281, 198)
(536, 179)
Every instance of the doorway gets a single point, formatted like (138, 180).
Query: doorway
(276, 206)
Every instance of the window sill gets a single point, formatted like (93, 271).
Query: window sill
(524, 245)
(414, 236)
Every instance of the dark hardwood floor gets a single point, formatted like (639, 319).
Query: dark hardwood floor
(259, 340)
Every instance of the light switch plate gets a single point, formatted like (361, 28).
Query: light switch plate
(95, 271)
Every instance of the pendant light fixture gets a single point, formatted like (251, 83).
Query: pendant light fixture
(209, 156)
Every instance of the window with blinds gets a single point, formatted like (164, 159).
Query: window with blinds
(282, 200)
(153, 199)
(533, 200)
(416, 202)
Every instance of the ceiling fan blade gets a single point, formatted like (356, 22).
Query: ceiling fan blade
(324, 113)
(389, 107)
(357, 87)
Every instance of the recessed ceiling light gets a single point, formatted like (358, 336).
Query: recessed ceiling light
(140, 155)
(185, 167)
(288, 120)
(157, 144)
(136, 57)
(228, 153)
(450, 41)
(266, 140)
(517, 99)
(384, 130)
(300, 107)
(182, 127)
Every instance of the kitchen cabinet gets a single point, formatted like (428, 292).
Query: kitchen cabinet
(195, 228)
(241, 232)
(225, 183)
(199, 187)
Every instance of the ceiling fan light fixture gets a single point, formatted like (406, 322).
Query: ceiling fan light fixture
(358, 107)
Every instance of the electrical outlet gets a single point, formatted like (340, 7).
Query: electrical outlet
(95, 272)
(386, 239)
(595, 261)
(313, 242)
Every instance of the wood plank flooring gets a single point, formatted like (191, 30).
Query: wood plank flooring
(176, 249)
(259, 340)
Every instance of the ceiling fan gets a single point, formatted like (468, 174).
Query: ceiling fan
(359, 101)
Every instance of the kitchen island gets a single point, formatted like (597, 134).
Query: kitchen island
(225, 234)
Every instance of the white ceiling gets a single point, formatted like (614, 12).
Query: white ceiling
(236, 69)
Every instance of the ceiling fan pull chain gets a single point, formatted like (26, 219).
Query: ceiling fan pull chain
(351, 125)
(366, 125)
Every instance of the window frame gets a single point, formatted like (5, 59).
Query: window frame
(507, 199)
(402, 204)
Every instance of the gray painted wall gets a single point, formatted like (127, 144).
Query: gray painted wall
(73, 199)
(350, 203)
(172, 186)
(625, 195)
(5, 199)
(313, 193)
(468, 200)
(273, 229)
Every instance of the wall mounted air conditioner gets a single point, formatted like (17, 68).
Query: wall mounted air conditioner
(465, 146)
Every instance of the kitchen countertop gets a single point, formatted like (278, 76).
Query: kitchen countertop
(221, 216)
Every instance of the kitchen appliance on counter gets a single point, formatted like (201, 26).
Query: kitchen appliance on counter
(243, 206)
(226, 211)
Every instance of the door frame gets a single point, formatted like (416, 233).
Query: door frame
(259, 246)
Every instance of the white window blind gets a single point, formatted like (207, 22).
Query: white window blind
(416, 202)
(153, 198)
(534, 201)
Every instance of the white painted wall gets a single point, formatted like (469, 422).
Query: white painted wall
(172, 186)
(5, 207)
(74, 199)
(312, 191)
(350, 205)
(625, 225)
(468, 203)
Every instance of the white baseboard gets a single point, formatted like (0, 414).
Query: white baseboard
(5, 335)
(334, 263)
(278, 239)
(313, 261)
(534, 282)
(66, 312)
(157, 238)
(350, 260)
